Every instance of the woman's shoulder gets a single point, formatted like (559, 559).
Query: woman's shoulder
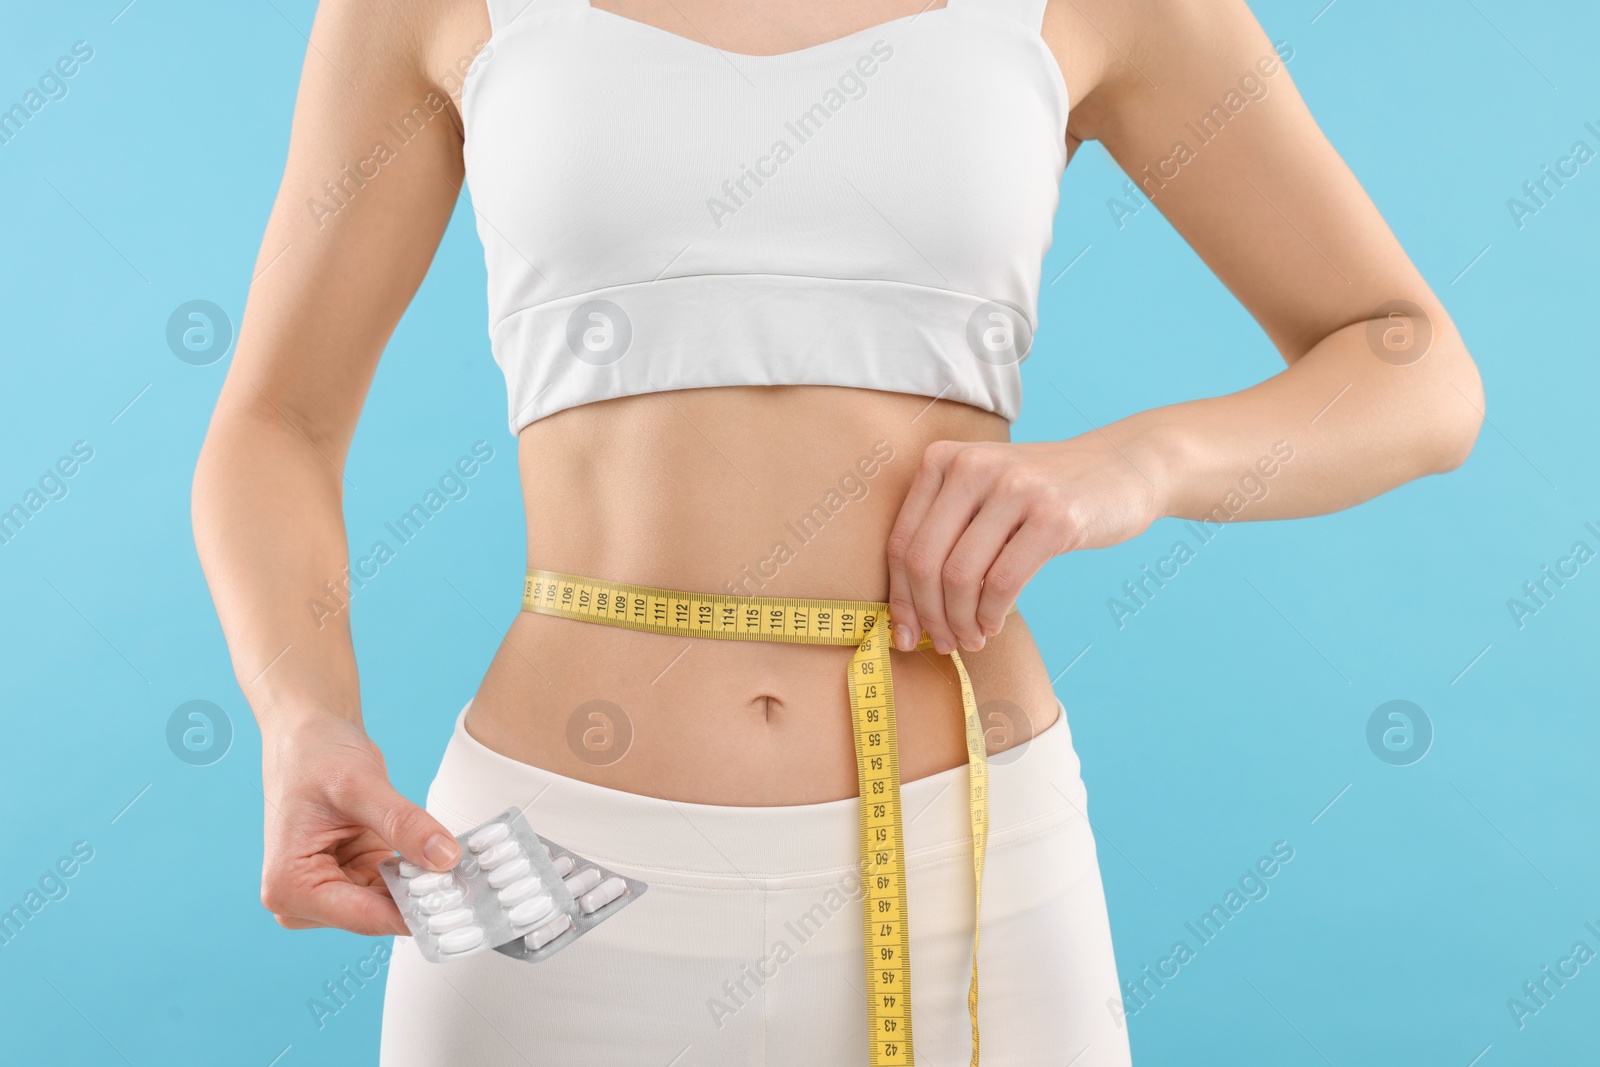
(426, 43)
(1117, 56)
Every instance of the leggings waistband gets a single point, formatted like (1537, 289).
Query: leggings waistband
(1031, 787)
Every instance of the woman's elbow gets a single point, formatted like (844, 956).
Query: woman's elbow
(1459, 415)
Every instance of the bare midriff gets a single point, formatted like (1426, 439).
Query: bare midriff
(769, 491)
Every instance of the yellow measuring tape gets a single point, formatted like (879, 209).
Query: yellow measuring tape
(864, 624)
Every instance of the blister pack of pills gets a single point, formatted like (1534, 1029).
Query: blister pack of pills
(597, 893)
(511, 890)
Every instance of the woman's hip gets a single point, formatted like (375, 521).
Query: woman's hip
(1034, 783)
(748, 947)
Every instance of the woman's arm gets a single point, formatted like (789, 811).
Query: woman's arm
(1379, 389)
(356, 222)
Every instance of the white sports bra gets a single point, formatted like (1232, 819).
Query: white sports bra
(872, 211)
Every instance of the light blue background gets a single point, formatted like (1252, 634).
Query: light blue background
(1227, 715)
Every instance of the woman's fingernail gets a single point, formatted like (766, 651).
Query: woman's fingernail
(903, 640)
(978, 647)
(441, 851)
(942, 646)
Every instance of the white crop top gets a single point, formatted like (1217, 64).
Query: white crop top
(872, 211)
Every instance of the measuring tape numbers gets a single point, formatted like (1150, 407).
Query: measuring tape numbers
(864, 625)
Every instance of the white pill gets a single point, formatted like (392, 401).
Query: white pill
(492, 834)
(532, 911)
(548, 932)
(495, 855)
(444, 900)
(602, 894)
(461, 940)
(410, 870)
(431, 882)
(583, 881)
(521, 890)
(564, 865)
(446, 921)
(516, 870)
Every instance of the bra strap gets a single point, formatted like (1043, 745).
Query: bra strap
(502, 13)
(1028, 12)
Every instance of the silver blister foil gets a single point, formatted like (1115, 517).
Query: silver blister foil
(504, 887)
(600, 894)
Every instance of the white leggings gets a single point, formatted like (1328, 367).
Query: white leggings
(746, 950)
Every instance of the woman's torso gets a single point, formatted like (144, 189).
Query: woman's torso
(779, 491)
(787, 491)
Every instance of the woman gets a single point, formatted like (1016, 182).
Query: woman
(760, 276)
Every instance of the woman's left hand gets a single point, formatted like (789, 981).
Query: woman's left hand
(982, 518)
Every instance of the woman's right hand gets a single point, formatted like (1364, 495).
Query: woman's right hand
(331, 818)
